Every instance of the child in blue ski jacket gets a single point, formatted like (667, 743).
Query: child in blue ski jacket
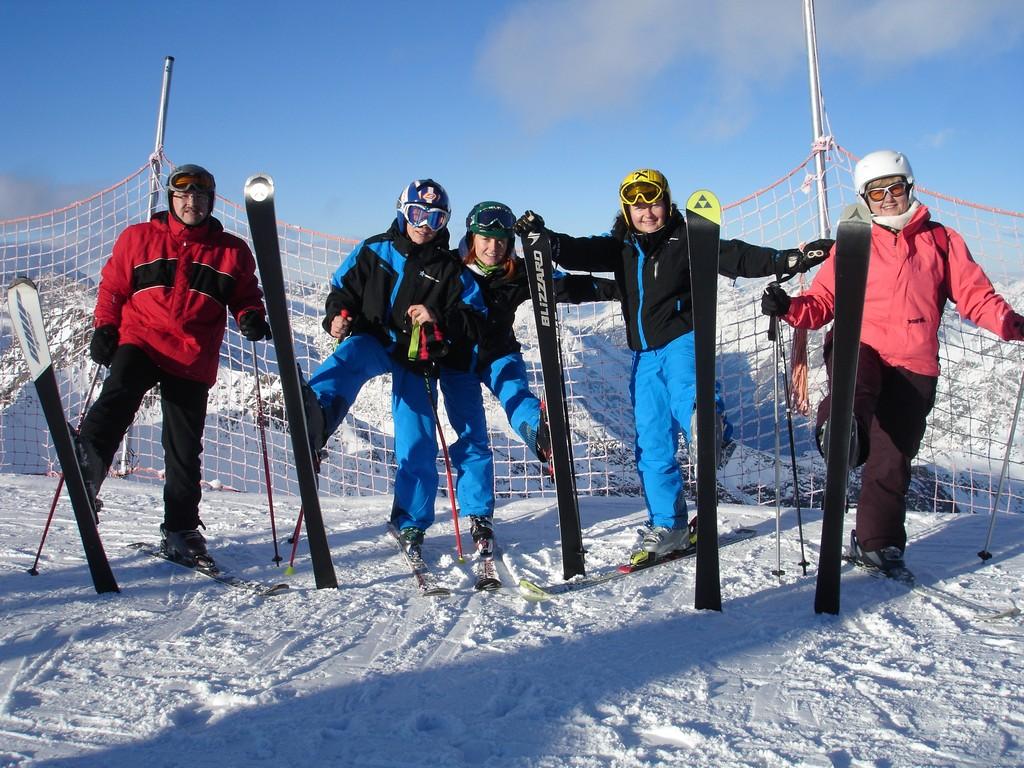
(647, 252)
(392, 289)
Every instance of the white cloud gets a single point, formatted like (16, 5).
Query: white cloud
(883, 32)
(556, 60)
(937, 139)
(21, 196)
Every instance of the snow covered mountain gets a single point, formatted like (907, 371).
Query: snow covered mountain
(957, 470)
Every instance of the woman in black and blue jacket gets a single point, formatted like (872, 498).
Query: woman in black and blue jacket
(496, 360)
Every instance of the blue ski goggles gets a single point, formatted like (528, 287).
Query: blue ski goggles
(420, 215)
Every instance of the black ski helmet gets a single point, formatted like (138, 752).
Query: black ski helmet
(190, 178)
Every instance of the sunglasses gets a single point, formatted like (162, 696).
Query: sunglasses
(423, 216)
(899, 189)
(641, 192)
(191, 182)
(494, 219)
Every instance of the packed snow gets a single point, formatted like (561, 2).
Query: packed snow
(178, 669)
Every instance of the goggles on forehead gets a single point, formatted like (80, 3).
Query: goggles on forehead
(498, 220)
(637, 192)
(877, 195)
(420, 215)
(191, 182)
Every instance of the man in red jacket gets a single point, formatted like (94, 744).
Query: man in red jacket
(160, 319)
(916, 266)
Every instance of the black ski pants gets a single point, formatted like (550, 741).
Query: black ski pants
(891, 407)
(183, 404)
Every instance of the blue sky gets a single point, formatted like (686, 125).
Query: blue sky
(543, 105)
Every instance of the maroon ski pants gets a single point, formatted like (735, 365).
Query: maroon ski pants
(891, 407)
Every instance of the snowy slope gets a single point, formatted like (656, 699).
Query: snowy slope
(179, 670)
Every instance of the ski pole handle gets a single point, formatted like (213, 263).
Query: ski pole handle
(414, 342)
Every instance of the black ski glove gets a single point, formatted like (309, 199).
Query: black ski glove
(793, 261)
(427, 342)
(774, 301)
(254, 326)
(529, 222)
(436, 344)
(333, 307)
(104, 344)
(817, 251)
(1014, 327)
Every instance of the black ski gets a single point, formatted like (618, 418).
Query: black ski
(703, 225)
(27, 319)
(425, 580)
(853, 251)
(212, 571)
(530, 590)
(259, 207)
(537, 251)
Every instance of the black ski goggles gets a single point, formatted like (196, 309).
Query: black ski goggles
(498, 221)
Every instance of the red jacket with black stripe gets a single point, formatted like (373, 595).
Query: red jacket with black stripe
(166, 288)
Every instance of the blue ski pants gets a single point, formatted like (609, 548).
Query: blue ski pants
(471, 455)
(662, 389)
(337, 382)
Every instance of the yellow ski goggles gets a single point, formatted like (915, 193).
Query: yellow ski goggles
(646, 192)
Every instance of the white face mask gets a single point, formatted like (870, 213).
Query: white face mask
(897, 223)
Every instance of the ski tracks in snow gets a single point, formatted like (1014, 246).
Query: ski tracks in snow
(620, 675)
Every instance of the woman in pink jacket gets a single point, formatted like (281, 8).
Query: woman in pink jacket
(916, 266)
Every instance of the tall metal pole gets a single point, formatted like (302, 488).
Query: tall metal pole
(819, 142)
(155, 159)
(155, 165)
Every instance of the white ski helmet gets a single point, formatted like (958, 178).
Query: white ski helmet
(878, 165)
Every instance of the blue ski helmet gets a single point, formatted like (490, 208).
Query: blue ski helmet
(423, 202)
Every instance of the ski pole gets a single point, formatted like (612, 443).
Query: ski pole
(773, 335)
(985, 554)
(447, 467)
(34, 570)
(792, 456)
(295, 544)
(261, 425)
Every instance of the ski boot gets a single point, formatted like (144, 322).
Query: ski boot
(481, 529)
(187, 547)
(888, 560)
(656, 541)
(412, 540)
